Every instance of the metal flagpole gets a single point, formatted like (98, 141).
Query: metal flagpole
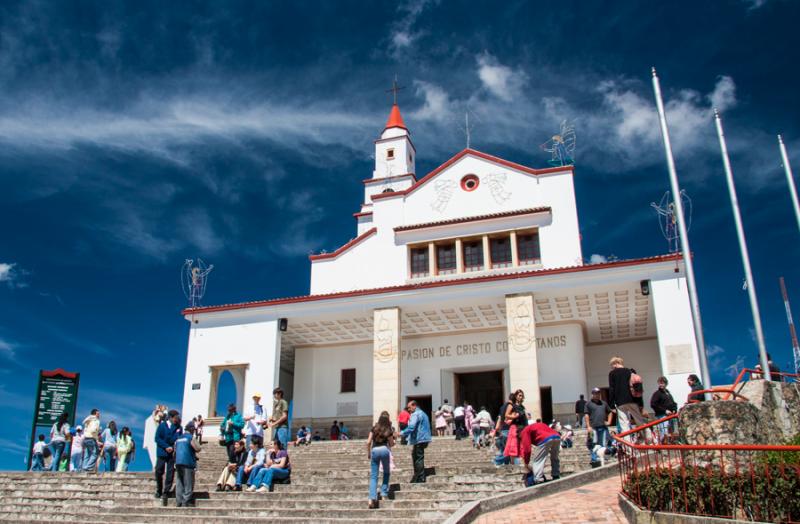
(684, 237)
(790, 179)
(792, 332)
(748, 273)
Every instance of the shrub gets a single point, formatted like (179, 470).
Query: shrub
(770, 493)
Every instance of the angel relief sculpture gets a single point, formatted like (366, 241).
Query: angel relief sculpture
(521, 339)
(444, 192)
(384, 350)
(497, 187)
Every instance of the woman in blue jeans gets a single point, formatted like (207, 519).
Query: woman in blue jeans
(109, 438)
(379, 442)
(59, 435)
(276, 467)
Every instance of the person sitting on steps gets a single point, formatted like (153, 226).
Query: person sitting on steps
(277, 468)
(227, 479)
(253, 463)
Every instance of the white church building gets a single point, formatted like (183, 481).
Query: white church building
(463, 284)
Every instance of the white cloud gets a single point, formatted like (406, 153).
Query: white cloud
(13, 446)
(733, 370)
(7, 349)
(632, 119)
(403, 34)
(436, 106)
(754, 4)
(11, 276)
(724, 94)
(159, 126)
(598, 259)
(498, 79)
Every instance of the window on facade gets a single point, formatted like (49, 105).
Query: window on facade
(420, 264)
(446, 259)
(348, 381)
(500, 249)
(528, 249)
(473, 255)
(390, 153)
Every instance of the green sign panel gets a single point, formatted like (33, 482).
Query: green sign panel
(58, 393)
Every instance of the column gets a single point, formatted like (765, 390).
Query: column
(514, 249)
(459, 256)
(432, 259)
(487, 254)
(523, 366)
(386, 362)
(677, 345)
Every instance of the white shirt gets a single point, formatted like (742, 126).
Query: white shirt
(458, 412)
(253, 426)
(39, 447)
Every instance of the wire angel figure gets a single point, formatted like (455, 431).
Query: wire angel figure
(193, 280)
(668, 219)
(561, 146)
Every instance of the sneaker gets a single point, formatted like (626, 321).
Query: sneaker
(237, 488)
(263, 489)
(251, 489)
(219, 487)
(163, 501)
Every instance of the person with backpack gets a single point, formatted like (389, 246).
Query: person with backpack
(625, 391)
(59, 435)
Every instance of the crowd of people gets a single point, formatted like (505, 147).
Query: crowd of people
(254, 466)
(86, 447)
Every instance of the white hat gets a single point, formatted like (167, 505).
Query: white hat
(79, 428)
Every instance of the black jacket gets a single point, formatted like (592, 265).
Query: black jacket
(662, 401)
(619, 387)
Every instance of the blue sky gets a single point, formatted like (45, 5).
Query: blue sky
(135, 135)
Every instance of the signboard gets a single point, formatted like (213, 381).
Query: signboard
(57, 394)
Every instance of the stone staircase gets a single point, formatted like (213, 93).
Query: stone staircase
(329, 484)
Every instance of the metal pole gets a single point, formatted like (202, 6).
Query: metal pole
(748, 273)
(790, 179)
(792, 332)
(684, 237)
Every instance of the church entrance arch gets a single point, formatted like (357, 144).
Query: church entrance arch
(237, 372)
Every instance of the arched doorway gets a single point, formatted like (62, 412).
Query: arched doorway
(227, 385)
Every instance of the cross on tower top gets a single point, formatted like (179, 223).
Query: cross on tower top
(395, 88)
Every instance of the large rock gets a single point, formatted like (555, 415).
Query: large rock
(770, 415)
(778, 404)
(721, 422)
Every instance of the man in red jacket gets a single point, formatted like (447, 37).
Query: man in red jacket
(547, 442)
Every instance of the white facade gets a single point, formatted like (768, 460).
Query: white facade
(416, 304)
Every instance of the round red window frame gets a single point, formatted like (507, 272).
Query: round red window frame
(470, 182)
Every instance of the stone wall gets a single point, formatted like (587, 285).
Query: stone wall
(771, 415)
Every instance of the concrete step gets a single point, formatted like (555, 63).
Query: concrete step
(329, 484)
(240, 517)
(214, 512)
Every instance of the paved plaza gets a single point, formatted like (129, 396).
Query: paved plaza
(596, 502)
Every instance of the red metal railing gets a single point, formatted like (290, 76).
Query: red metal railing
(760, 483)
(786, 377)
(748, 482)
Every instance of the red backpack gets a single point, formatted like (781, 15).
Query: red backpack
(636, 387)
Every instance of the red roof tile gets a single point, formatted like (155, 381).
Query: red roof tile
(434, 284)
(491, 216)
